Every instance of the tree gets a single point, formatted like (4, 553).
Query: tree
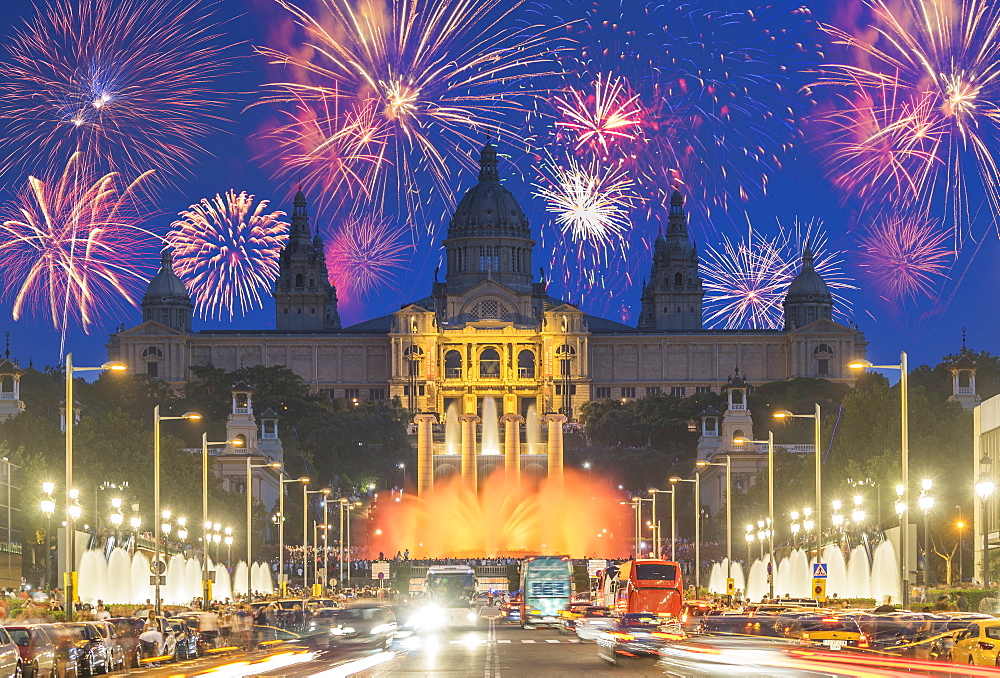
(948, 557)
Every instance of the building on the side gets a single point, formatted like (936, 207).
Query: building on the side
(489, 335)
(985, 464)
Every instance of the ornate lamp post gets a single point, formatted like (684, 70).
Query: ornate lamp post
(817, 443)
(926, 503)
(984, 488)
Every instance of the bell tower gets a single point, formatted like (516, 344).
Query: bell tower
(11, 404)
(241, 424)
(963, 378)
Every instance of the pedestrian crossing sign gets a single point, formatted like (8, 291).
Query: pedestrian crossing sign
(819, 570)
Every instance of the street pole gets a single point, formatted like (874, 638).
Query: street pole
(986, 547)
(156, 504)
(818, 443)
(281, 536)
(673, 524)
(729, 518)
(348, 543)
(340, 541)
(205, 584)
(657, 550)
(770, 510)
(904, 402)
(927, 549)
(326, 543)
(305, 538)
(697, 532)
(69, 584)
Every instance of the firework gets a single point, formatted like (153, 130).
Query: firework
(226, 251)
(71, 246)
(599, 118)
(428, 79)
(365, 254)
(591, 203)
(931, 70)
(129, 83)
(905, 257)
(746, 281)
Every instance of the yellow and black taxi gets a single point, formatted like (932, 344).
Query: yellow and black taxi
(691, 613)
(573, 611)
(835, 632)
(978, 644)
(638, 634)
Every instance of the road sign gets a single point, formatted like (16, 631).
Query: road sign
(595, 565)
(380, 569)
(819, 589)
(381, 575)
(819, 570)
(155, 579)
(158, 567)
(730, 586)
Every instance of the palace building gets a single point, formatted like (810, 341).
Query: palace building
(490, 332)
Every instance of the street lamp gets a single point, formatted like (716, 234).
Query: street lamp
(984, 488)
(305, 532)
(249, 491)
(70, 584)
(926, 502)
(858, 515)
(206, 588)
(48, 507)
(729, 512)
(904, 501)
(817, 443)
(282, 584)
(697, 525)
(738, 440)
(158, 564)
(656, 523)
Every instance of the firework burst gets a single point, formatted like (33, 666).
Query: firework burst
(226, 251)
(428, 78)
(745, 281)
(131, 84)
(365, 254)
(71, 247)
(927, 76)
(905, 257)
(601, 116)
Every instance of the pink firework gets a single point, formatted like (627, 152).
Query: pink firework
(226, 251)
(601, 117)
(905, 257)
(365, 253)
(71, 247)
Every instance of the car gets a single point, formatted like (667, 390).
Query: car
(38, 651)
(117, 648)
(713, 656)
(691, 613)
(594, 620)
(185, 638)
(834, 632)
(129, 628)
(572, 612)
(367, 625)
(637, 634)
(978, 643)
(93, 658)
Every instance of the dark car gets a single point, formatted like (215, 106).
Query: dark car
(691, 613)
(369, 625)
(39, 653)
(116, 647)
(637, 634)
(185, 638)
(128, 630)
(93, 659)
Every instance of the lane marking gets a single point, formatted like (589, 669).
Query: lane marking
(552, 641)
(505, 642)
(527, 641)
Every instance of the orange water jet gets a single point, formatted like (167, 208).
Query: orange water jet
(580, 517)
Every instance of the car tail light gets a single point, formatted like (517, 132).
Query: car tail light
(684, 618)
(863, 641)
(985, 646)
(805, 636)
(623, 636)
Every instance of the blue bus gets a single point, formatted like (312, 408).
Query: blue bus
(548, 586)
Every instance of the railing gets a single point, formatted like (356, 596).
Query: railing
(525, 372)
(453, 373)
(489, 369)
(962, 390)
(8, 395)
(268, 435)
(241, 410)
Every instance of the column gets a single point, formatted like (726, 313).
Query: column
(555, 440)
(512, 447)
(469, 471)
(425, 452)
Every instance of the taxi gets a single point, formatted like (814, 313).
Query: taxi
(978, 644)
(568, 617)
(834, 632)
(637, 634)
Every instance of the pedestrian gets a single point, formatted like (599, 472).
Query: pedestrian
(150, 642)
(489, 597)
(962, 603)
(102, 612)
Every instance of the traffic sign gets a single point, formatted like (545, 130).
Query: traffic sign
(158, 567)
(819, 589)
(730, 586)
(380, 569)
(155, 579)
(595, 565)
(381, 575)
(819, 570)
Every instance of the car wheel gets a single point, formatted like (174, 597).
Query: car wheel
(18, 670)
(971, 661)
(137, 658)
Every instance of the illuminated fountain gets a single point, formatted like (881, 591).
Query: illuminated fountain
(491, 427)
(533, 430)
(451, 429)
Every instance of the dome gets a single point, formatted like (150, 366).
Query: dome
(808, 283)
(488, 208)
(166, 283)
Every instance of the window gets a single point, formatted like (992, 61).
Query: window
(312, 311)
(678, 280)
(565, 354)
(164, 316)
(602, 392)
(489, 258)
(376, 394)
(652, 390)
(823, 367)
(628, 391)
(352, 393)
(419, 390)
(153, 369)
(152, 352)
(561, 391)
(823, 349)
(526, 365)
(489, 364)
(488, 309)
(299, 281)
(452, 365)
(702, 389)
(678, 391)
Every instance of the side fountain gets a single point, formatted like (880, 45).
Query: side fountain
(491, 427)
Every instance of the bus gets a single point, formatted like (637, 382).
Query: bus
(547, 582)
(645, 585)
(449, 590)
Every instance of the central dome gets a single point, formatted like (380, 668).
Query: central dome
(488, 209)
(808, 283)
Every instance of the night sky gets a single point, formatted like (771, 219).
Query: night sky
(928, 327)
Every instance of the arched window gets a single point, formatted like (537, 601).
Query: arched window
(678, 280)
(299, 280)
(152, 352)
(6, 384)
(526, 364)
(489, 364)
(243, 442)
(413, 355)
(823, 349)
(565, 354)
(452, 365)
(739, 434)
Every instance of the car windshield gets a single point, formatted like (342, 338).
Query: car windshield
(21, 637)
(127, 626)
(655, 571)
(360, 614)
(77, 632)
(828, 624)
(598, 612)
(637, 620)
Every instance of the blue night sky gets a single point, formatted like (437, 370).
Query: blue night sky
(602, 37)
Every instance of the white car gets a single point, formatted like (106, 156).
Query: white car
(592, 622)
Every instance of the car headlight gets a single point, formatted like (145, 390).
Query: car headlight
(430, 617)
(381, 628)
(471, 616)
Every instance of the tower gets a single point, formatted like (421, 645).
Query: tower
(11, 404)
(269, 444)
(166, 300)
(241, 424)
(737, 422)
(963, 378)
(808, 298)
(672, 298)
(304, 299)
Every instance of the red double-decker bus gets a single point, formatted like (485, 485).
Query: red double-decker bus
(642, 586)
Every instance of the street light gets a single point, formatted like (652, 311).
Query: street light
(48, 507)
(206, 588)
(817, 443)
(249, 491)
(926, 502)
(656, 523)
(729, 512)
(904, 501)
(305, 532)
(70, 584)
(156, 493)
(984, 488)
(697, 525)
(770, 499)
(282, 584)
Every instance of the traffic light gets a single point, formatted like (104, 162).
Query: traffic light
(730, 587)
(819, 589)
